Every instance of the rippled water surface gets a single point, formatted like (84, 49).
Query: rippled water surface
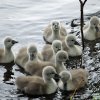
(25, 20)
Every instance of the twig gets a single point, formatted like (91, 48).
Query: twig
(82, 19)
(82, 22)
(80, 1)
(84, 2)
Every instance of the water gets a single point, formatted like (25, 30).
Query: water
(25, 20)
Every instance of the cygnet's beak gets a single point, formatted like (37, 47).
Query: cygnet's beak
(65, 86)
(14, 42)
(97, 29)
(56, 27)
(57, 76)
(67, 60)
(58, 49)
(77, 43)
(32, 56)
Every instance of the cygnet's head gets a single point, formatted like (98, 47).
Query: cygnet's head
(94, 22)
(32, 51)
(70, 40)
(57, 45)
(49, 72)
(9, 42)
(55, 25)
(61, 56)
(65, 76)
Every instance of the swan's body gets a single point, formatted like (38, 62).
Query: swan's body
(71, 45)
(54, 31)
(73, 79)
(35, 85)
(61, 57)
(6, 54)
(49, 51)
(22, 56)
(70, 79)
(92, 29)
(34, 66)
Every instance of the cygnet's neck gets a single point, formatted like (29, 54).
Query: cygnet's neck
(46, 78)
(50, 83)
(54, 52)
(56, 33)
(69, 46)
(59, 66)
(66, 43)
(35, 58)
(7, 50)
(91, 28)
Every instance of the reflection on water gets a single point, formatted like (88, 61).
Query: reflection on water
(8, 74)
(25, 21)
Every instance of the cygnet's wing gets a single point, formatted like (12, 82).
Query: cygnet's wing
(36, 87)
(79, 77)
(63, 31)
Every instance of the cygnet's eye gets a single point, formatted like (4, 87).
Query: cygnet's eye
(9, 41)
(72, 40)
(64, 57)
(52, 73)
(53, 24)
(57, 23)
